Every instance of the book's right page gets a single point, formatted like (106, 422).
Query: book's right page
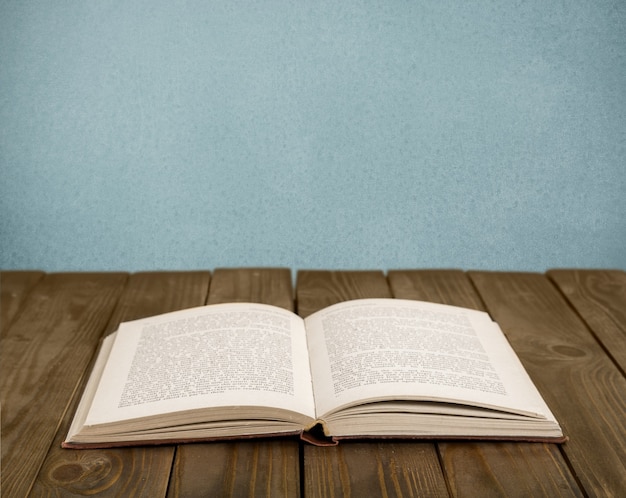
(390, 349)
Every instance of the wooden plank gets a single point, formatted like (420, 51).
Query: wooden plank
(582, 386)
(372, 469)
(363, 469)
(42, 357)
(253, 285)
(14, 287)
(317, 289)
(437, 286)
(485, 469)
(599, 297)
(152, 293)
(242, 468)
(239, 468)
(138, 471)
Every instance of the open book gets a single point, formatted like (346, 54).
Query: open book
(368, 368)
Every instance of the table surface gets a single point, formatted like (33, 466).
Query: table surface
(567, 326)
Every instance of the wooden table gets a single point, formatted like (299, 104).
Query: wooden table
(567, 326)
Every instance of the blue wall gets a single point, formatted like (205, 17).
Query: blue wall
(344, 134)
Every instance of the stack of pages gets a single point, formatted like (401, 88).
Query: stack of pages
(369, 368)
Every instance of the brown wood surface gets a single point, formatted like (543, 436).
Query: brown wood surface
(599, 297)
(253, 285)
(139, 471)
(14, 287)
(43, 356)
(363, 469)
(580, 383)
(242, 468)
(567, 327)
(317, 289)
(486, 469)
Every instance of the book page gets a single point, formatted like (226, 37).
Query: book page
(398, 349)
(224, 355)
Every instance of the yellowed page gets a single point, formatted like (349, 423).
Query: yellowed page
(398, 349)
(213, 356)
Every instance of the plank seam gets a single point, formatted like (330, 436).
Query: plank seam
(587, 326)
(24, 300)
(572, 471)
(442, 468)
(79, 386)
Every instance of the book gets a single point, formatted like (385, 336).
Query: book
(367, 368)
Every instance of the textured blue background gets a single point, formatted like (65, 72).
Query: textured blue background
(356, 134)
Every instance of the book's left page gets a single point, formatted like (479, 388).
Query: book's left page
(227, 357)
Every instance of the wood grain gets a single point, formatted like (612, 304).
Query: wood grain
(42, 358)
(582, 386)
(486, 469)
(253, 285)
(137, 471)
(507, 470)
(14, 287)
(568, 330)
(363, 469)
(317, 289)
(241, 468)
(373, 469)
(599, 297)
